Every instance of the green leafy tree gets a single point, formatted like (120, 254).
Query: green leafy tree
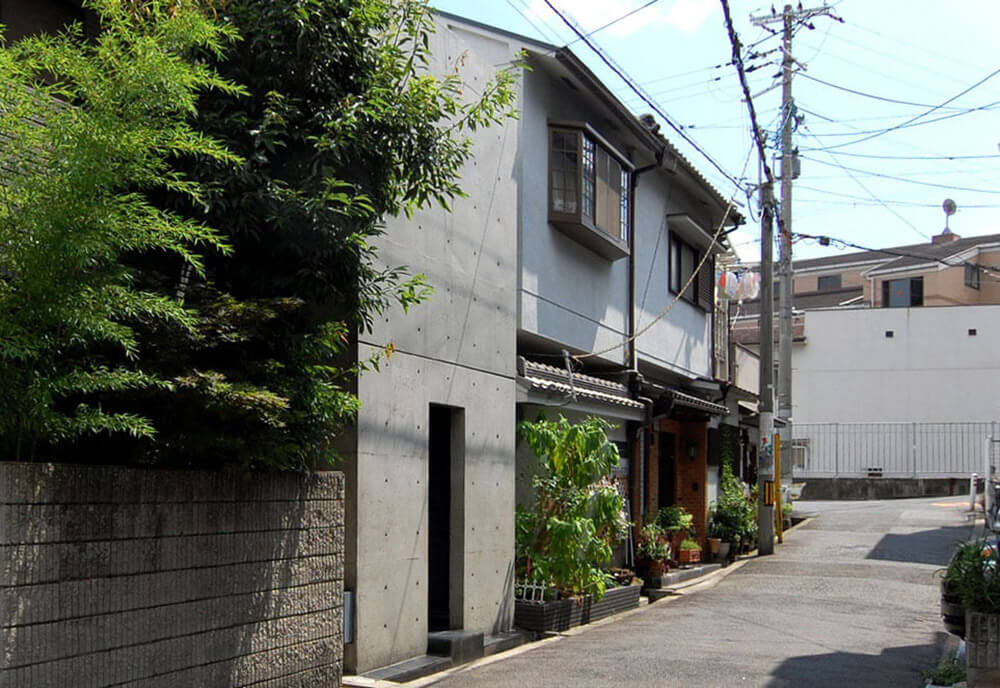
(232, 345)
(566, 538)
(344, 126)
(89, 131)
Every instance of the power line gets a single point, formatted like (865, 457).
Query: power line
(870, 194)
(914, 204)
(884, 99)
(825, 240)
(914, 157)
(870, 173)
(920, 116)
(615, 21)
(624, 76)
(908, 125)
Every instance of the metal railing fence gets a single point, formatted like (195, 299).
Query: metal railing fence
(912, 450)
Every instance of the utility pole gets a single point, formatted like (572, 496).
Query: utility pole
(765, 458)
(789, 163)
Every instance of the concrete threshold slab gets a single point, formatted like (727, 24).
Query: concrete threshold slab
(410, 669)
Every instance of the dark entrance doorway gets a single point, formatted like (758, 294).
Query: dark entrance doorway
(666, 469)
(445, 514)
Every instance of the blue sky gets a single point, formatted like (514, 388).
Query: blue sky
(883, 191)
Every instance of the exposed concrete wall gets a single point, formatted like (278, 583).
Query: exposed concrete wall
(113, 576)
(930, 370)
(459, 350)
(882, 488)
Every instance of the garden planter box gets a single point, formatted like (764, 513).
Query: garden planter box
(615, 601)
(561, 615)
(554, 615)
(952, 612)
(688, 556)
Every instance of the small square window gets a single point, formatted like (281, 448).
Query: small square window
(889, 334)
(972, 332)
(828, 282)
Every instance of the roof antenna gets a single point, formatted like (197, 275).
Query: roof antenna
(949, 208)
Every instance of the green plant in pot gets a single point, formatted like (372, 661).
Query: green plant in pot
(565, 539)
(652, 551)
(733, 518)
(974, 576)
(689, 552)
(676, 521)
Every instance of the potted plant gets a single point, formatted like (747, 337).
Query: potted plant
(974, 575)
(733, 517)
(689, 552)
(652, 552)
(676, 522)
(563, 541)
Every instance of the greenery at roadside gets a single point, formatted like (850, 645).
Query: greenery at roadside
(974, 575)
(186, 270)
(566, 538)
(733, 516)
(947, 673)
(90, 129)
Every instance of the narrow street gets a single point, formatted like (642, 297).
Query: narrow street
(850, 599)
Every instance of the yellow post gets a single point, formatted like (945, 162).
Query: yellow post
(778, 520)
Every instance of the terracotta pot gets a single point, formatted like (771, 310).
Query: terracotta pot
(688, 556)
(714, 545)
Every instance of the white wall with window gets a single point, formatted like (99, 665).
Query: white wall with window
(921, 365)
(574, 218)
(674, 237)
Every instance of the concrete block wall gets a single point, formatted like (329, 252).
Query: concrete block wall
(113, 576)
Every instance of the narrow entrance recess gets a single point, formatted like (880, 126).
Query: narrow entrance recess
(445, 500)
(665, 489)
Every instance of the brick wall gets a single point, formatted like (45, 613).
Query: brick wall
(113, 576)
(691, 490)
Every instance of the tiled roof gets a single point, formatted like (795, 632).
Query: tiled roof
(918, 254)
(549, 378)
(934, 253)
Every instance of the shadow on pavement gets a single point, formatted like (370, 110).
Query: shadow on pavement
(933, 546)
(896, 666)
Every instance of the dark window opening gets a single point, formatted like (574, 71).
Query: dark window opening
(889, 334)
(972, 332)
(972, 276)
(903, 293)
(828, 283)
(684, 260)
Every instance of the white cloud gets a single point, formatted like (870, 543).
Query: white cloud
(689, 15)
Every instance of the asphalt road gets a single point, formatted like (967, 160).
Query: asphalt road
(850, 599)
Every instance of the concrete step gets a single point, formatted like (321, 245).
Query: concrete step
(411, 669)
(461, 646)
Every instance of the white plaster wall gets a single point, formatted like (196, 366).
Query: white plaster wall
(930, 370)
(457, 349)
(680, 342)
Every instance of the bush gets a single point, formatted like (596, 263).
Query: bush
(577, 514)
(974, 575)
(734, 516)
(674, 519)
(653, 543)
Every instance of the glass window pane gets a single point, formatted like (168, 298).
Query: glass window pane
(589, 191)
(565, 171)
